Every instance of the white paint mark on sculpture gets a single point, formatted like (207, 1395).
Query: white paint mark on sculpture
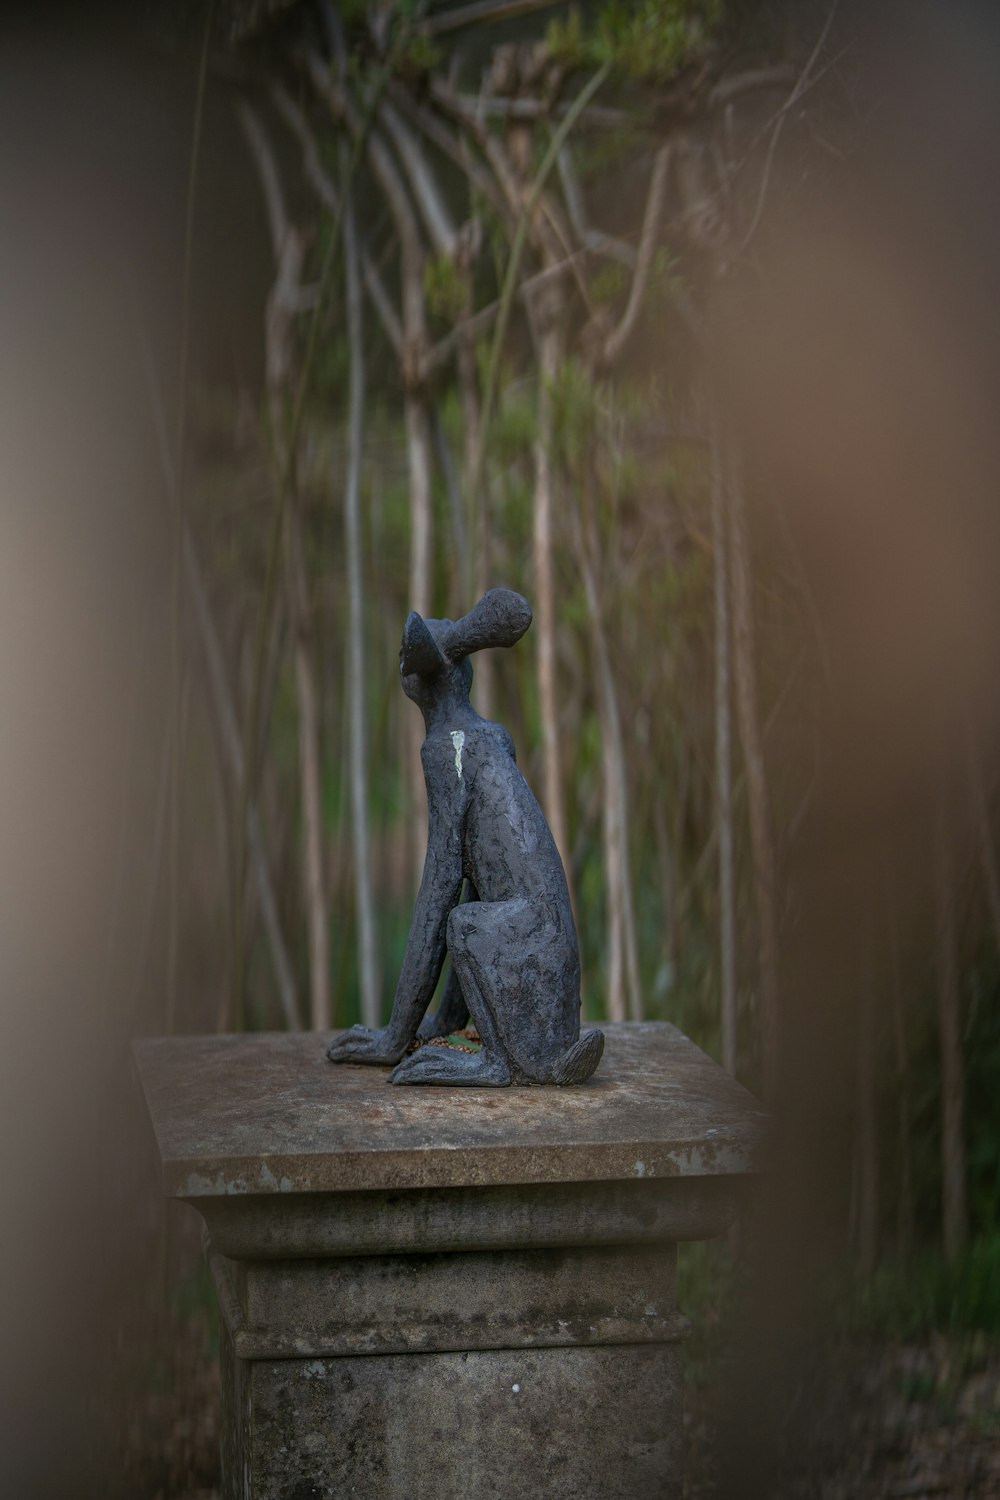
(458, 740)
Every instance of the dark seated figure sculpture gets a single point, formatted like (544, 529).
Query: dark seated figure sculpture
(512, 943)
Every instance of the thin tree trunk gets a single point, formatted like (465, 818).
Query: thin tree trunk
(416, 417)
(459, 558)
(365, 910)
(668, 885)
(549, 345)
(223, 703)
(468, 392)
(418, 449)
(953, 1192)
(178, 675)
(283, 303)
(761, 837)
(867, 1122)
(310, 774)
(229, 735)
(624, 995)
(904, 1200)
(981, 813)
(723, 752)
(615, 343)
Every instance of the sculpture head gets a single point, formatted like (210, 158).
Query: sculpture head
(434, 657)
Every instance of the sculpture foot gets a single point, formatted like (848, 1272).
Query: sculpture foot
(442, 1065)
(359, 1045)
(576, 1065)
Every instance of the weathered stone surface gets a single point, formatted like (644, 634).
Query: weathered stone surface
(494, 1425)
(392, 1263)
(263, 1114)
(396, 1304)
(263, 1227)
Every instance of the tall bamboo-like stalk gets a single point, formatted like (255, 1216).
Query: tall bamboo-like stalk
(368, 968)
(550, 358)
(178, 673)
(904, 1199)
(758, 802)
(984, 835)
(222, 699)
(624, 996)
(416, 415)
(723, 749)
(867, 1119)
(954, 1213)
(547, 315)
(526, 201)
(284, 302)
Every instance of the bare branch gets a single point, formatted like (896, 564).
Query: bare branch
(477, 323)
(778, 122)
(479, 12)
(339, 103)
(494, 107)
(617, 340)
(755, 80)
(430, 201)
(547, 229)
(267, 173)
(325, 189)
(453, 147)
(595, 240)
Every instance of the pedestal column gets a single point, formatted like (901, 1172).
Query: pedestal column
(447, 1293)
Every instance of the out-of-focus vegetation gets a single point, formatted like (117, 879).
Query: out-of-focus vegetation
(548, 254)
(681, 318)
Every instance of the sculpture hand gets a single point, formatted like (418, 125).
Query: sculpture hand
(359, 1045)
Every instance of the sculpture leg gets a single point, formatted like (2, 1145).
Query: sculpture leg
(518, 968)
(453, 1012)
(490, 1067)
(451, 1015)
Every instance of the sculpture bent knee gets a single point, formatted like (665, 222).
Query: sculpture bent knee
(512, 943)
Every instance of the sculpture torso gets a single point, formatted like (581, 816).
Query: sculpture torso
(507, 849)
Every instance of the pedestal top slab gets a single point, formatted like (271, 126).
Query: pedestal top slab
(267, 1113)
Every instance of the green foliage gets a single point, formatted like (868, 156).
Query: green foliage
(982, 1053)
(604, 150)
(651, 41)
(415, 55)
(908, 1301)
(193, 1299)
(515, 424)
(638, 440)
(667, 280)
(610, 283)
(707, 1289)
(575, 414)
(446, 289)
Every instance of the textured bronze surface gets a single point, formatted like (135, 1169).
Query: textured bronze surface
(515, 960)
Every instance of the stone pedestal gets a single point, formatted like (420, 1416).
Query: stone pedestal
(448, 1294)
